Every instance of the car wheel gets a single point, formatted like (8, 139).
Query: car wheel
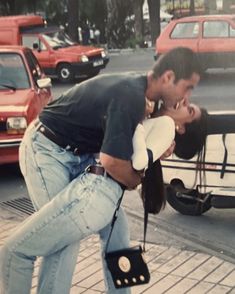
(185, 200)
(65, 73)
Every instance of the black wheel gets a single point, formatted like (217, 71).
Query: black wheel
(65, 73)
(185, 200)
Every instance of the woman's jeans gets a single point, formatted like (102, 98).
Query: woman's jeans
(72, 205)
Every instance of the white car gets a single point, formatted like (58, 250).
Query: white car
(187, 195)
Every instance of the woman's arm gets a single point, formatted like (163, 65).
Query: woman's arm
(155, 134)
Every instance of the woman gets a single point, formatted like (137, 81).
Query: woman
(21, 250)
(167, 124)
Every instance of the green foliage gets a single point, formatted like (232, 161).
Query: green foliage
(183, 4)
(134, 42)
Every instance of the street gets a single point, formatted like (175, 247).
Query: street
(214, 231)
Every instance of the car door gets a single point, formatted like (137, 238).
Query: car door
(43, 94)
(42, 52)
(217, 45)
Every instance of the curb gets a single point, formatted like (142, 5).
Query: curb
(127, 51)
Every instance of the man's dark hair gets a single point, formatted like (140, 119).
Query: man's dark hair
(181, 60)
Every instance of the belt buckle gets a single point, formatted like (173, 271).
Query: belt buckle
(67, 148)
(87, 169)
(76, 151)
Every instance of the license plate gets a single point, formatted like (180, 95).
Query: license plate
(98, 62)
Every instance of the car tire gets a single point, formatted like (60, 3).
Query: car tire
(182, 204)
(65, 73)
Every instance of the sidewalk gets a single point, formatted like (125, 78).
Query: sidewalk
(173, 271)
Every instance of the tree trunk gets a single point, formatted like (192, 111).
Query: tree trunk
(118, 31)
(154, 18)
(192, 7)
(138, 25)
(9, 7)
(210, 6)
(111, 19)
(226, 6)
(73, 19)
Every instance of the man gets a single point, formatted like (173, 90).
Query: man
(96, 116)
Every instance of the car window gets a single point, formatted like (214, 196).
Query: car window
(215, 29)
(231, 31)
(185, 30)
(29, 40)
(13, 72)
(34, 66)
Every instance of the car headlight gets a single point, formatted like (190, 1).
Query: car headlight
(103, 54)
(16, 125)
(84, 58)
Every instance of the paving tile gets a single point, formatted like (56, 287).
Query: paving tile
(201, 288)
(220, 272)
(92, 280)
(99, 286)
(176, 261)
(86, 272)
(77, 290)
(190, 265)
(182, 286)
(229, 280)
(163, 258)
(33, 290)
(219, 289)
(206, 268)
(155, 278)
(163, 285)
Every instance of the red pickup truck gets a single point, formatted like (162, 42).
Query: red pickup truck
(56, 52)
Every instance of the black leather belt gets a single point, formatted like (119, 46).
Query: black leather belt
(99, 170)
(48, 133)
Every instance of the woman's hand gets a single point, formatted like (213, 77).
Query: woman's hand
(149, 107)
(169, 151)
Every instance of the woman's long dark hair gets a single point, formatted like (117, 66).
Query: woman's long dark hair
(193, 142)
(152, 193)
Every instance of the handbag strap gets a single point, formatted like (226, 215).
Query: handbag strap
(145, 227)
(115, 215)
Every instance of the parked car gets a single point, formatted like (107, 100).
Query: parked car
(56, 52)
(212, 37)
(191, 197)
(24, 91)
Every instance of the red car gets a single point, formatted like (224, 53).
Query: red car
(24, 91)
(212, 37)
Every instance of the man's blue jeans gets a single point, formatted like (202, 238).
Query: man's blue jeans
(72, 205)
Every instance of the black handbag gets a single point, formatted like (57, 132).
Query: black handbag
(128, 266)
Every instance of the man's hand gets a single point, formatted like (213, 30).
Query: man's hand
(121, 170)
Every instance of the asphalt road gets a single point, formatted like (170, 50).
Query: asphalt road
(214, 231)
